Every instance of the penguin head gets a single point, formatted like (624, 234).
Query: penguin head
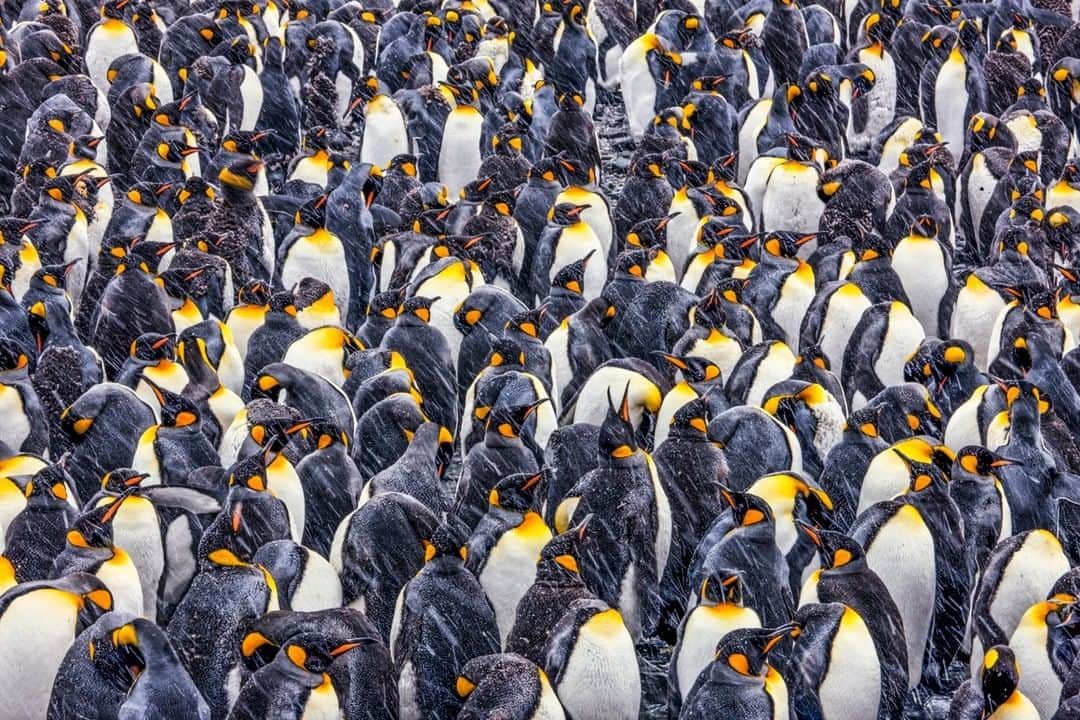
(12, 356)
(153, 347)
(121, 480)
(1026, 403)
(316, 652)
(85, 146)
(682, 173)
(448, 540)
(574, 172)
(282, 303)
(726, 239)
(478, 190)
(53, 278)
(838, 552)
(784, 244)
(524, 326)
(744, 653)
(312, 214)
(196, 190)
(694, 369)
(254, 292)
(492, 671)
(799, 147)
(879, 26)
(113, 9)
(48, 487)
(564, 550)
(463, 94)
(632, 264)
(999, 677)
(691, 420)
(93, 529)
(982, 130)
(571, 278)
(618, 439)
(404, 163)
(507, 422)
(176, 410)
(721, 586)
(1014, 240)
(649, 166)
(566, 214)
(384, 306)
(571, 102)
(240, 173)
(749, 512)
(863, 423)
(924, 477)
(709, 312)
(871, 246)
(517, 492)
(1027, 209)
(980, 462)
(416, 310)
(60, 189)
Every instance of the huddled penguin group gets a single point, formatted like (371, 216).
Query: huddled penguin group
(518, 360)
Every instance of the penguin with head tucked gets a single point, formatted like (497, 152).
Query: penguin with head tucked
(1042, 644)
(47, 616)
(104, 424)
(37, 535)
(995, 691)
(297, 682)
(418, 471)
(118, 655)
(509, 684)
(362, 676)
(740, 681)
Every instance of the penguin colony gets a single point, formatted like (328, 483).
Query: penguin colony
(343, 375)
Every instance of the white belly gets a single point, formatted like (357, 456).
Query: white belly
(601, 680)
(510, 571)
(384, 132)
(35, 633)
(459, 154)
(323, 261)
(920, 264)
(319, 589)
(846, 307)
(851, 689)
(950, 102)
(252, 93)
(902, 553)
(16, 426)
(791, 201)
(705, 627)
(902, 338)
